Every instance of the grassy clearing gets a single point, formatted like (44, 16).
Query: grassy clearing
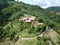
(25, 34)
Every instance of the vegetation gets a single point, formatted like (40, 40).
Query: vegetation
(57, 9)
(11, 25)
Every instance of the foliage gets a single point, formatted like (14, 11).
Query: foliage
(10, 25)
(57, 9)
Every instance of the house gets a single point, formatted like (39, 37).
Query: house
(23, 18)
(28, 21)
(32, 18)
(38, 23)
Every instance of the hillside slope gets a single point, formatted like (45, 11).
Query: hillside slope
(57, 9)
(18, 19)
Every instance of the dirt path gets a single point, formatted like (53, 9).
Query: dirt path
(28, 38)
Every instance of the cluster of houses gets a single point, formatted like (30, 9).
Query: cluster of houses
(30, 19)
(27, 18)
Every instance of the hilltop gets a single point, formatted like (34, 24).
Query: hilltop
(19, 20)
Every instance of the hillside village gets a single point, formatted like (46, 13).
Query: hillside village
(25, 24)
(30, 19)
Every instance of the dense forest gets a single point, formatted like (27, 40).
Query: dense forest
(12, 24)
(57, 9)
